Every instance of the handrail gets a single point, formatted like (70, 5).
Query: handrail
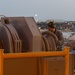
(64, 53)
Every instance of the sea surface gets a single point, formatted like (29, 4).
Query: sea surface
(67, 34)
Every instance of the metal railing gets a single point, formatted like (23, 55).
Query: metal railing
(64, 53)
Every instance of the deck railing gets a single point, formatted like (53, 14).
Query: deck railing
(64, 53)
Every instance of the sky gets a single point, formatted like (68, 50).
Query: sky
(39, 9)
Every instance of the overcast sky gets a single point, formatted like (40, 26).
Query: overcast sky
(39, 9)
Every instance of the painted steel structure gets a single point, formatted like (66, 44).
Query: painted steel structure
(64, 53)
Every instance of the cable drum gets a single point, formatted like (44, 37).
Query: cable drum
(50, 33)
(6, 39)
(50, 40)
(17, 43)
(43, 45)
(46, 43)
(9, 39)
(1, 44)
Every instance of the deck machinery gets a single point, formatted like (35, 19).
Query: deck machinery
(25, 50)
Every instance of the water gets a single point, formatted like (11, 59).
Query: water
(67, 34)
